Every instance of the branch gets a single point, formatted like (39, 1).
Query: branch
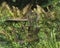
(16, 20)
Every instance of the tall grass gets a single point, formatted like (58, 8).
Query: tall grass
(13, 35)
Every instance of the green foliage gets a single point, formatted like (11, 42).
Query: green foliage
(14, 34)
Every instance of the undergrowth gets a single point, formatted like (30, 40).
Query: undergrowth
(14, 34)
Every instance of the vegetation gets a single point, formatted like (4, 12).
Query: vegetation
(42, 30)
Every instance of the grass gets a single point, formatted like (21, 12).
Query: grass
(15, 34)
